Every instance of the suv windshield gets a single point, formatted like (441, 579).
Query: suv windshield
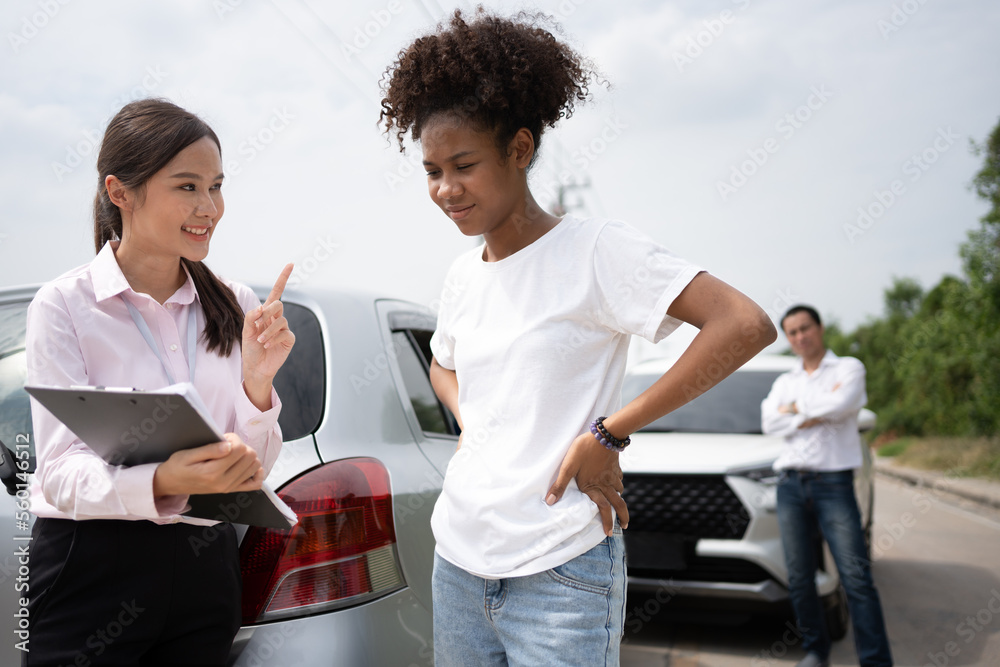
(732, 406)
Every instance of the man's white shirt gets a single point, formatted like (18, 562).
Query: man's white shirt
(834, 393)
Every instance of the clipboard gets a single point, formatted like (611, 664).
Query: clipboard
(131, 427)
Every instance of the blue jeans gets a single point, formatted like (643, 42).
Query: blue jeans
(571, 615)
(807, 500)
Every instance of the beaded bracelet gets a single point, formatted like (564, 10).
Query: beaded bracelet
(605, 438)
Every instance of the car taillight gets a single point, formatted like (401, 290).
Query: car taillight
(342, 551)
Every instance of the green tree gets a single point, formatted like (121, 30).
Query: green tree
(903, 298)
(981, 262)
(933, 359)
(981, 253)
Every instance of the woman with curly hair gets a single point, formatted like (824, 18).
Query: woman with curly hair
(530, 351)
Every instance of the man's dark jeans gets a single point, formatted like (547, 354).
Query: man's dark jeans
(826, 499)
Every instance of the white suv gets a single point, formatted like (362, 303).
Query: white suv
(701, 494)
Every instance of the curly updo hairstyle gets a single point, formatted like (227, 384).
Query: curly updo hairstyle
(497, 73)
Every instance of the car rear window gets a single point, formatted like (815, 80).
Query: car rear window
(732, 406)
(301, 382)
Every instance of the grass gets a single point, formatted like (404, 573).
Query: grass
(958, 457)
(895, 447)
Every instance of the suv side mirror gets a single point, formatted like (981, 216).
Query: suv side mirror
(866, 420)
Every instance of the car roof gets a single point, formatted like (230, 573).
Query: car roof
(762, 362)
(294, 293)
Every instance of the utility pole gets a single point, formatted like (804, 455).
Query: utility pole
(560, 208)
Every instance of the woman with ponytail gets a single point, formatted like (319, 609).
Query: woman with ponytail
(110, 545)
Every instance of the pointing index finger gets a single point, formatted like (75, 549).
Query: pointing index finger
(279, 285)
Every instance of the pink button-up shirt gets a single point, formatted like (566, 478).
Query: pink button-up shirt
(80, 333)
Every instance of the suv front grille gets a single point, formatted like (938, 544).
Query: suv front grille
(705, 568)
(684, 506)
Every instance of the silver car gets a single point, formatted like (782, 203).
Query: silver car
(366, 444)
(701, 491)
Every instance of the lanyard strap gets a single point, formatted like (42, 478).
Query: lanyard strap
(192, 339)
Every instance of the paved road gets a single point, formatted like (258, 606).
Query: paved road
(937, 567)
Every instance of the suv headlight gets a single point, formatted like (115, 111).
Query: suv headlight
(764, 496)
(765, 474)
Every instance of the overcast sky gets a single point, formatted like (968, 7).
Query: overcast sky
(744, 135)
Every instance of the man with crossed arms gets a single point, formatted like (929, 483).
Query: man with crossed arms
(815, 407)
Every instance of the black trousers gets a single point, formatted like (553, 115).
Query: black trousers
(111, 592)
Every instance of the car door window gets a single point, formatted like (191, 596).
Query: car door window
(414, 364)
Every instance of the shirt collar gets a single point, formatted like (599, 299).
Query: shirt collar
(109, 281)
(827, 359)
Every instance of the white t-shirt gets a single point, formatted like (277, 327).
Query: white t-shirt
(539, 342)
